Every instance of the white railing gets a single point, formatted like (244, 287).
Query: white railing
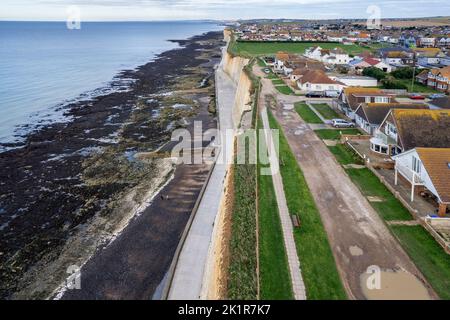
(409, 174)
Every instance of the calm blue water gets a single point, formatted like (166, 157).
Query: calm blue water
(43, 64)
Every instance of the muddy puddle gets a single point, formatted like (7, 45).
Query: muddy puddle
(393, 285)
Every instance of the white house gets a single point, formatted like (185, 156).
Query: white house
(336, 56)
(317, 80)
(426, 169)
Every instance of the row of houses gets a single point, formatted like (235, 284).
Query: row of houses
(308, 74)
(415, 135)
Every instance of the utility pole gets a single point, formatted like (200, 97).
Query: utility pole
(414, 72)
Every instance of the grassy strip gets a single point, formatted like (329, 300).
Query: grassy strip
(391, 208)
(277, 81)
(275, 281)
(253, 49)
(319, 270)
(325, 110)
(284, 89)
(335, 134)
(344, 155)
(428, 256)
(306, 113)
(242, 280)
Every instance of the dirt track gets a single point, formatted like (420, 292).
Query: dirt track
(357, 235)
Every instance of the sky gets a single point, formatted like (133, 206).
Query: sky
(118, 10)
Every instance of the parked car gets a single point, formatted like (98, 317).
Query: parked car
(314, 94)
(267, 70)
(340, 123)
(331, 94)
(436, 96)
(416, 96)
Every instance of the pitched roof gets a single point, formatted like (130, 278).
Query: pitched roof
(422, 128)
(374, 113)
(371, 61)
(316, 76)
(281, 55)
(437, 163)
(423, 75)
(445, 71)
(443, 103)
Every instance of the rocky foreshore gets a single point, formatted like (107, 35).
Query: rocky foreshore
(73, 187)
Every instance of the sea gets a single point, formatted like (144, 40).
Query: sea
(46, 65)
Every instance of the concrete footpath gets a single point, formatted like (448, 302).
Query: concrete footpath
(298, 287)
(191, 269)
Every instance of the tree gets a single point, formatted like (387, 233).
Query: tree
(375, 73)
(403, 73)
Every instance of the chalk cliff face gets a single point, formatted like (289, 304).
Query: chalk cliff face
(234, 68)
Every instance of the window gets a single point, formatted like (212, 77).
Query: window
(416, 165)
(367, 100)
(381, 99)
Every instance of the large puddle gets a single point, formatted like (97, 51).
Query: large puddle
(393, 285)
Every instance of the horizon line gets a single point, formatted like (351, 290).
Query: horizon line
(220, 20)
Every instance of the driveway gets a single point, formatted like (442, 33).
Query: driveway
(358, 237)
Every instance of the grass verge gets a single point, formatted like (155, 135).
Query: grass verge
(428, 256)
(391, 208)
(275, 281)
(335, 134)
(306, 113)
(319, 270)
(284, 89)
(344, 155)
(325, 110)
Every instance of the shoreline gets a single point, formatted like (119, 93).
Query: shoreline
(70, 175)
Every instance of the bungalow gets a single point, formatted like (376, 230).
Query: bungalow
(406, 129)
(351, 97)
(428, 169)
(336, 56)
(317, 80)
(369, 116)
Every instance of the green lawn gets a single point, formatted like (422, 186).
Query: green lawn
(284, 89)
(261, 62)
(427, 255)
(335, 134)
(391, 208)
(277, 81)
(275, 281)
(344, 155)
(319, 270)
(325, 110)
(306, 113)
(252, 49)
